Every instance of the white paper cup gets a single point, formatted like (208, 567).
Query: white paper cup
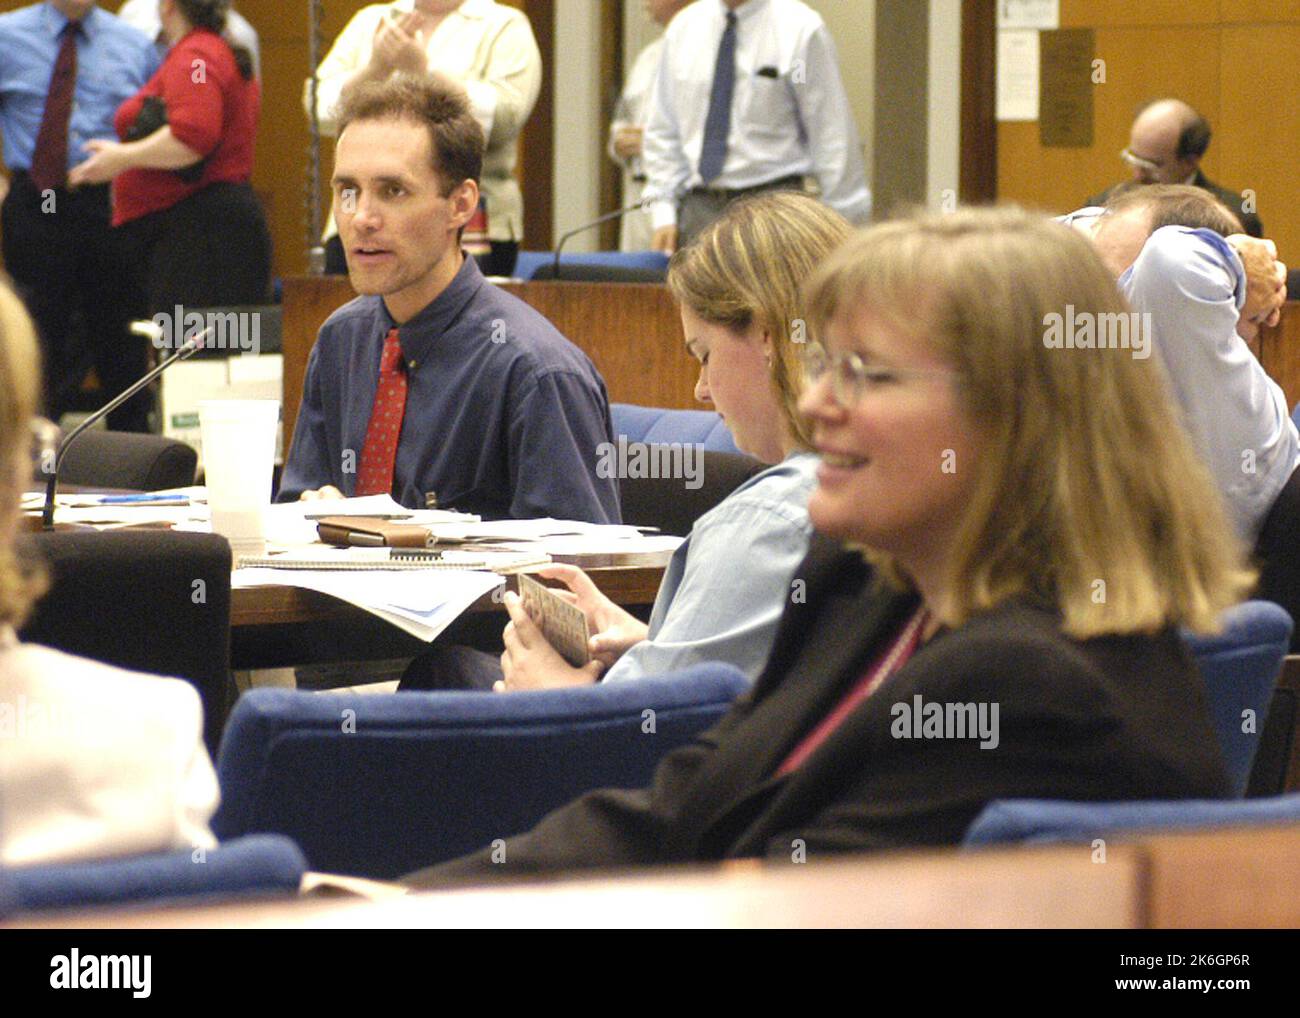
(238, 438)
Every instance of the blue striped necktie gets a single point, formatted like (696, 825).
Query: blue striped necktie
(717, 125)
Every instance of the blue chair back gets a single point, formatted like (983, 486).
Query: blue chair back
(246, 866)
(1295, 415)
(1240, 667)
(382, 784)
(1042, 821)
(665, 427)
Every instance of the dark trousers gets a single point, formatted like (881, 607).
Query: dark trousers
(701, 206)
(1277, 549)
(212, 249)
(70, 268)
(452, 666)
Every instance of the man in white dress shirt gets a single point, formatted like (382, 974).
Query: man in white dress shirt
(143, 14)
(628, 128)
(748, 97)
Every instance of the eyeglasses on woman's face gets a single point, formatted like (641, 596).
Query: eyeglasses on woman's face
(852, 377)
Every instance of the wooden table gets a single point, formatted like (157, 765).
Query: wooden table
(1238, 878)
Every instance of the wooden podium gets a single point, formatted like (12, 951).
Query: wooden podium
(631, 331)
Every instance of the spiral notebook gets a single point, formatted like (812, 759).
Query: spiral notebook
(397, 559)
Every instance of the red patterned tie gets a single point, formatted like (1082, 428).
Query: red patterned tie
(50, 158)
(375, 477)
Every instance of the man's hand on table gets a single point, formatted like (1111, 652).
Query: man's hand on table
(323, 492)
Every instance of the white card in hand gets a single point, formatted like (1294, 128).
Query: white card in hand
(564, 625)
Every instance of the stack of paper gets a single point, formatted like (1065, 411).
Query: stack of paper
(589, 544)
(420, 602)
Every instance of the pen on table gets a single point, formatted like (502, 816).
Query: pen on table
(144, 498)
(359, 540)
(369, 516)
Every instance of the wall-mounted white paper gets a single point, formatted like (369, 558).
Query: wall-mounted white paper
(1029, 14)
(1017, 75)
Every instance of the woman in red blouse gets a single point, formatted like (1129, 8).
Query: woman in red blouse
(181, 172)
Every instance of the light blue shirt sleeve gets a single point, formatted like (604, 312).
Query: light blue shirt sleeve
(1188, 286)
(729, 583)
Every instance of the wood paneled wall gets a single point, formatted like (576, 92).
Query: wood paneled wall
(1234, 60)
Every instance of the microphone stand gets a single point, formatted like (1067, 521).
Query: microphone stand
(187, 349)
(616, 214)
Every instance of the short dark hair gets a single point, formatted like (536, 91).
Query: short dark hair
(1176, 205)
(456, 139)
(1194, 138)
(212, 15)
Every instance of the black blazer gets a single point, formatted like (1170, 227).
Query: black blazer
(1120, 717)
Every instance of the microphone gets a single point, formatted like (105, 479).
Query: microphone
(151, 329)
(616, 214)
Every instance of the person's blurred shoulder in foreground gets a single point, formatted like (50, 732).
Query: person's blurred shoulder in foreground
(97, 761)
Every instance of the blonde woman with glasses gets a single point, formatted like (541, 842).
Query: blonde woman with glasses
(95, 761)
(1011, 536)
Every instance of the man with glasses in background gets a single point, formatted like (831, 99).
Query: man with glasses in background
(1166, 143)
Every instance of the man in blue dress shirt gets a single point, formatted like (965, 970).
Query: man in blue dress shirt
(65, 67)
(435, 385)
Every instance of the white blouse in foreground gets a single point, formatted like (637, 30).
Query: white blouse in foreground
(97, 761)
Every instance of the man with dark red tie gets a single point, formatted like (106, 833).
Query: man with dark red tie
(65, 67)
(435, 386)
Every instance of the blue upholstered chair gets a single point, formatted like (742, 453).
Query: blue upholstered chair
(1041, 821)
(594, 266)
(381, 784)
(660, 426)
(258, 865)
(1240, 667)
(673, 503)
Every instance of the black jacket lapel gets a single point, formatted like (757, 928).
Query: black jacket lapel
(816, 659)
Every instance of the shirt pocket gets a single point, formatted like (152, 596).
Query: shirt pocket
(769, 114)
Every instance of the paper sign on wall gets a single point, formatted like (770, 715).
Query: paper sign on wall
(1017, 75)
(1029, 13)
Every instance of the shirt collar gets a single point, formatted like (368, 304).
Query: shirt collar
(419, 333)
(477, 9)
(745, 10)
(56, 19)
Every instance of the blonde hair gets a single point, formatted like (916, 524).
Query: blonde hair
(1089, 494)
(21, 583)
(749, 266)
